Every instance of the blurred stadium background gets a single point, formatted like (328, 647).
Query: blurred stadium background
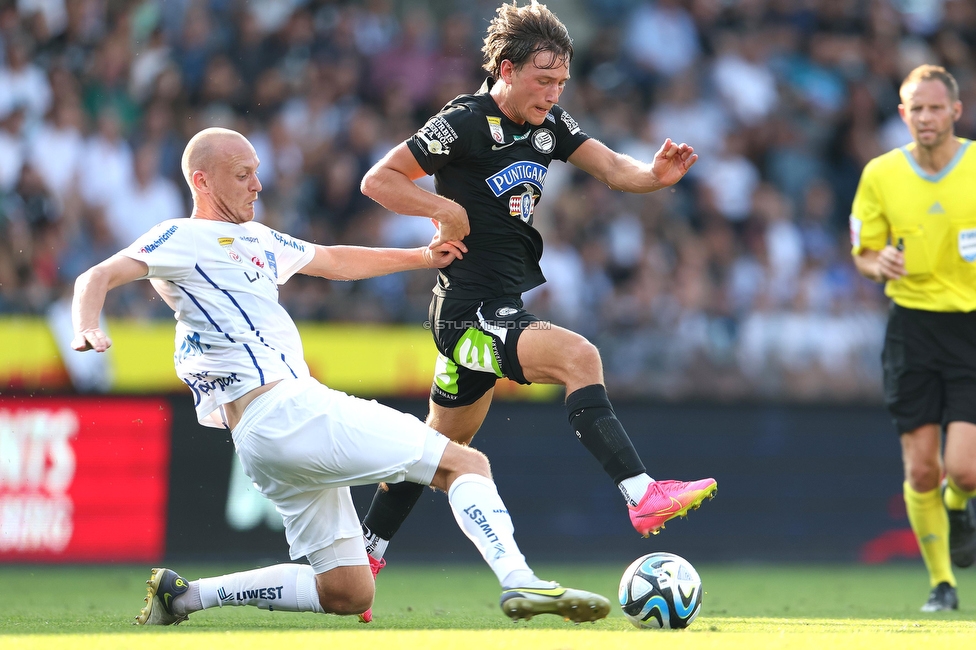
(739, 341)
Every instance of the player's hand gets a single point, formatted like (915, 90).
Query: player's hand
(451, 223)
(437, 256)
(672, 161)
(891, 264)
(91, 339)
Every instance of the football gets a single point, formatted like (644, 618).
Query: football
(661, 591)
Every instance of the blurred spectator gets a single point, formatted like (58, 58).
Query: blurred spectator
(656, 23)
(56, 150)
(148, 199)
(731, 177)
(375, 27)
(23, 85)
(148, 65)
(53, 13)
(248, 48)
(158, 129)
(684, 115)
(409, 65)
(106, 161)
(40, 209)
(106, 90)
(743, 78)
(784, 244)
(195, 47)
(11, 148)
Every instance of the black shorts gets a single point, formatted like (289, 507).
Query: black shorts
(478, 343)
(929, 362)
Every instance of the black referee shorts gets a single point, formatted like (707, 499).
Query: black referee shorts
(929, 362)
(478, 343)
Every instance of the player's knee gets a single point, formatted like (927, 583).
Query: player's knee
(351, 601)
(472, 461)
(964, 477)
(461, 433)
(923, 477)
(585, 358)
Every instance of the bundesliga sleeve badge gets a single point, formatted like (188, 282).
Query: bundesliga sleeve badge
(495, 126)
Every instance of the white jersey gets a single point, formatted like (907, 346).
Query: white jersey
(222, 281)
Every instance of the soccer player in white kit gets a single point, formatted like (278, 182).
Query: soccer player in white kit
(301, 443)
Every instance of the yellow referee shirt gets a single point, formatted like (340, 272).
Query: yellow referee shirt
(933, 216)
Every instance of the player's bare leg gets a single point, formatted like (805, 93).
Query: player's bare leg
(553, 355)
(960, 488)
(460, 423)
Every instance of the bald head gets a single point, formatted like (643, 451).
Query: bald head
(206, 148)
(221, 168)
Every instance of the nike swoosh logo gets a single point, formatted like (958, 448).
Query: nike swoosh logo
(674, 506)
(555, 593)
(515, 139)
(166, 599)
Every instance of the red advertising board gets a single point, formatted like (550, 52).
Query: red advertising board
(83, 479)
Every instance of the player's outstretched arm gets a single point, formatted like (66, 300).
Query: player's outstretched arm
(90, 289)
(619, 172)
(391, 184)
(359, 262)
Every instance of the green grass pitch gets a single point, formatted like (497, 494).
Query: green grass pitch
(456, 607)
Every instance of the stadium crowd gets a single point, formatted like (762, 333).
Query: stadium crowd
(736, 282)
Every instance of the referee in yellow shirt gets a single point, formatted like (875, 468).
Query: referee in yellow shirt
(913, 227)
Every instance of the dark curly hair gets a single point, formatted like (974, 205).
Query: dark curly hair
(520, 33)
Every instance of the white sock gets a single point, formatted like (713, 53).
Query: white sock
(483, 517)
(189, 602)
(633, 488)
(285, 587)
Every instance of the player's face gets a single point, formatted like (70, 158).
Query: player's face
(535, 89)
(235, 182)
(929, 112)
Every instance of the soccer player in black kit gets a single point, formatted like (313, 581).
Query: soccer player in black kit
(489, 153)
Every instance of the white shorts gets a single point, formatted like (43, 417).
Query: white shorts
(303, 444)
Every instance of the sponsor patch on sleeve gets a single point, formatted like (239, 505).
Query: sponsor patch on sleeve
(570, 123)
(272, 262)
(855, 231)
(159, 241)
(436, 134)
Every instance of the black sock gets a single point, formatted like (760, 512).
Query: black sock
(390, 508)
(592, 418)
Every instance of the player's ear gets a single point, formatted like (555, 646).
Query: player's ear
(199, 179)
(506, 70)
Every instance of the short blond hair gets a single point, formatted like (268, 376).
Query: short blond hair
(928, 72)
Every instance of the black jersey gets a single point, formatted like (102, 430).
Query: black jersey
(496, 170)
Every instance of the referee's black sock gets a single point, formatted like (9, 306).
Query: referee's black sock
(389, 509)
(592, 418)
